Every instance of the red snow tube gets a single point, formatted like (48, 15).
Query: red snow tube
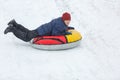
(57, 42)
(50, 40)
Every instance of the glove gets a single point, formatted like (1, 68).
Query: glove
(71, 28)
(68, 33)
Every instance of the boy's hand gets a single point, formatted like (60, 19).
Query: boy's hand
(71, 28)
(68, 33)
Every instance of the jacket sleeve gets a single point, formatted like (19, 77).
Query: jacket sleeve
(61, 28)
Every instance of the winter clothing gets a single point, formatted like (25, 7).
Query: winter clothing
(66, 16)
(71, 28)
(20, 31)
(25, 36)
(8, 29)
(55, 27)
(12, 22)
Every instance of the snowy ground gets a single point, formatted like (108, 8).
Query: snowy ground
(97, 57)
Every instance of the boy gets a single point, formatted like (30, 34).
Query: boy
(58, 26)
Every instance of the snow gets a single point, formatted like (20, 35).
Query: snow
(97, 57)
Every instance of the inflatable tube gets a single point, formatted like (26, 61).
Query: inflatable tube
(57, 42)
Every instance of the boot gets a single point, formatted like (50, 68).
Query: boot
(9, 29)
(13, 22)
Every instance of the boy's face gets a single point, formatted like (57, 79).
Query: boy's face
(67, 22)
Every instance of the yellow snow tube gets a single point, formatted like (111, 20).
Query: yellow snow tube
(75, 36)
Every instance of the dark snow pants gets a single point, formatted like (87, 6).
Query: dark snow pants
(23, 33)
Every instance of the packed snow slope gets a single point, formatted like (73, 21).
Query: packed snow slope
(97, 57)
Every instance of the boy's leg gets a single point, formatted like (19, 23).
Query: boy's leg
(20, 34)
(25, 36)
(20, 31)
(19, 26)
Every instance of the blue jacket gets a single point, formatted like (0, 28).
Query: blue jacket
(55, 27)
